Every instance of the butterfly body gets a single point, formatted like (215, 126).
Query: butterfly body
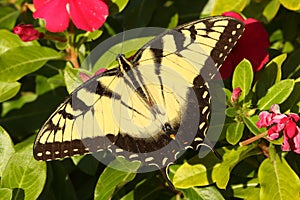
(152, 106)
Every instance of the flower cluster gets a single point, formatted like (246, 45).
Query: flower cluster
(252, 45)
(279, 124)
(27, 33)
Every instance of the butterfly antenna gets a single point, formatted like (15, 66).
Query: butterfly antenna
(123, 38)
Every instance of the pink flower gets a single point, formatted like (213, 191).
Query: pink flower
(252, 45)
(236, 93)
(281, 124)
(265, 119)
(27, 33)
(84, 77)
(87, 15)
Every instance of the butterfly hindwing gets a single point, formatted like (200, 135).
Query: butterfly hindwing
(117, 110)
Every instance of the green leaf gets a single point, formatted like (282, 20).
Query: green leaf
(8, 41)
(248, 190)
(26, 97)
(231, 112)
(191, 175)
(6, 193)
(23, 173)
(277, 179)
(234, 132)
(243, 77)
(293, 99)
(211, 193)
(21, 123)
(226, 5)
(8, 90)
(44, 84)
(8, 17)
(251, 124)
(6, 149)
(275, 65)
(72, 78)
(277, 94)
(231, 157)
(271, 10)
(269, 75)
(291, 4)
(116, 6)
(20, 61)
(292, 65)
(90, 36)
(111, 178)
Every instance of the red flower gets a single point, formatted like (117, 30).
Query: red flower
(281, 123)
(27, 33)
(252, 45)
(87, 15)
(236, 93)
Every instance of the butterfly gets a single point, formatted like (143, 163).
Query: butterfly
(151, 107)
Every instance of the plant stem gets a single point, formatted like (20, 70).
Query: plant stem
(250, 140)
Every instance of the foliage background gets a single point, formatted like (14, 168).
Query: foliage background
(33, 79)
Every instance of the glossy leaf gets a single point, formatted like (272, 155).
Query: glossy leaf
(231, 112)
(8, 41)
(250, 122)
(6, 150)
(243, 77)
(8, 17)
(271, 10)
(210, 192)
(224, 6)
(8, 90)
(44, 84)
(277, 179)
(248, 190)
(291, 66)
(234, 132)
(275, 65)
(293, 99)
(277, 94)
(26, 97)
(191, 175)
(24, 174)
(291, 4)
(6, 193)
(20, 61)
(72, 78)
(231, 157)
(111, 178)
(270, 75)
(116, 6)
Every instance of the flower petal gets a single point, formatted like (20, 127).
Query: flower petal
(236, 93)
(294, 116)
(88, 15)
(290, 129)
(252, 45)
(275, 108)
(296, 140)
(54, 12)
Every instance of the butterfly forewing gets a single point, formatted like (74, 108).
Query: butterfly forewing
(139, 112)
